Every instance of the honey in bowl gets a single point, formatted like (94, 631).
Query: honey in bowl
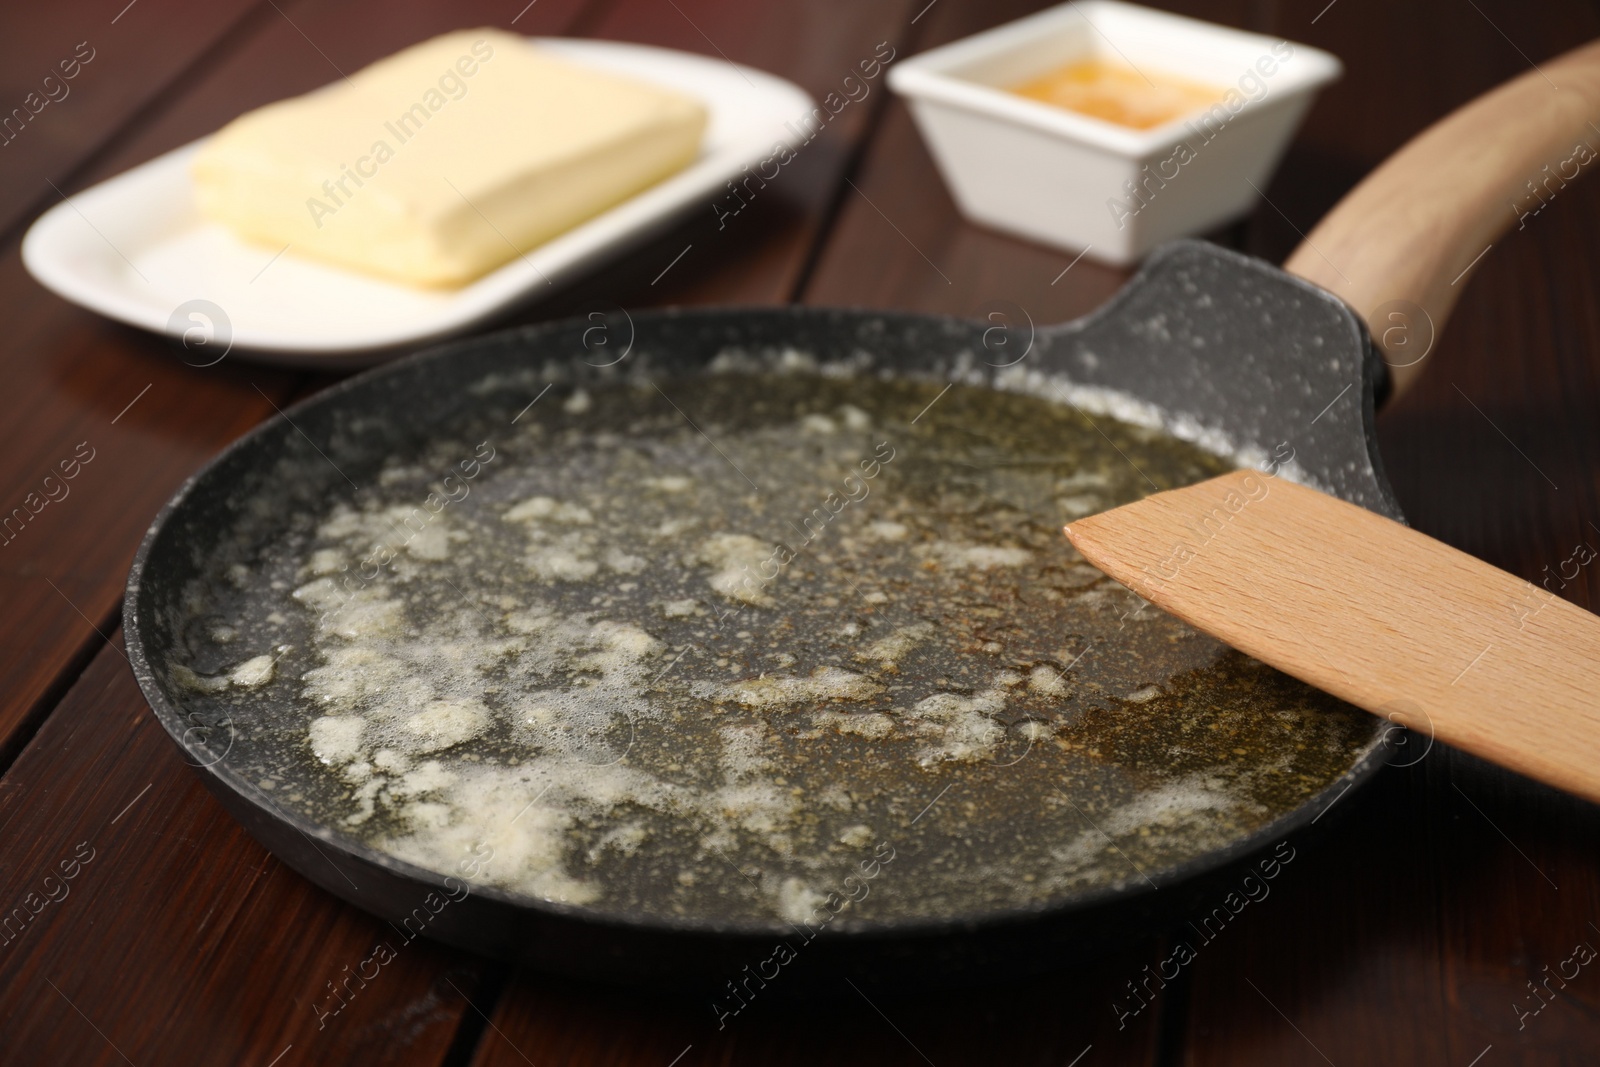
(1119, 93)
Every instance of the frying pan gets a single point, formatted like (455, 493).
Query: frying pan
(1217, 342)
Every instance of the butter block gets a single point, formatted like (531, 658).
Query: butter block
(444, 161)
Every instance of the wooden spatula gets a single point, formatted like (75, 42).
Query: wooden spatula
(1371, 611)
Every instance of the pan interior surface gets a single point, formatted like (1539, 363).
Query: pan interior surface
(732, 647)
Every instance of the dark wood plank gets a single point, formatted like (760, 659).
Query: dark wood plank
(1050, 1021)
(70, 381)
(1404, 936)
(179, 939)
(120, 61)
(1411, 935)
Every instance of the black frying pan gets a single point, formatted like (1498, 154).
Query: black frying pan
(1224, 346)
(1281, 362)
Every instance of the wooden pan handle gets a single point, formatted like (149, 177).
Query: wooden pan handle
(1400, 246)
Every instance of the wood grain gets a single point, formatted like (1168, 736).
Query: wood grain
(180, 940)
(1048, 1021)
(1371, 611)
(1405, 938)
(1409, 935)
(77, 387)
(120, 62)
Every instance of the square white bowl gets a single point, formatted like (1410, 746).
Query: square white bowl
(1092, 186)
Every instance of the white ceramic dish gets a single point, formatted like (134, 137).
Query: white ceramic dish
(1065, 179)
(134, 248)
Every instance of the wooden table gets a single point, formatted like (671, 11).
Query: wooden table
(1410, 935)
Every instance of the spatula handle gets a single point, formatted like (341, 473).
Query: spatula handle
(1411, 233)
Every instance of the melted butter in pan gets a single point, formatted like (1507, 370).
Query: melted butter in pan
(705, 669)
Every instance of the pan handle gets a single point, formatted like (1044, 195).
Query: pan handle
(1399, 247)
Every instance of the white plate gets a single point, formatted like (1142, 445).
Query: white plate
(135, 248)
